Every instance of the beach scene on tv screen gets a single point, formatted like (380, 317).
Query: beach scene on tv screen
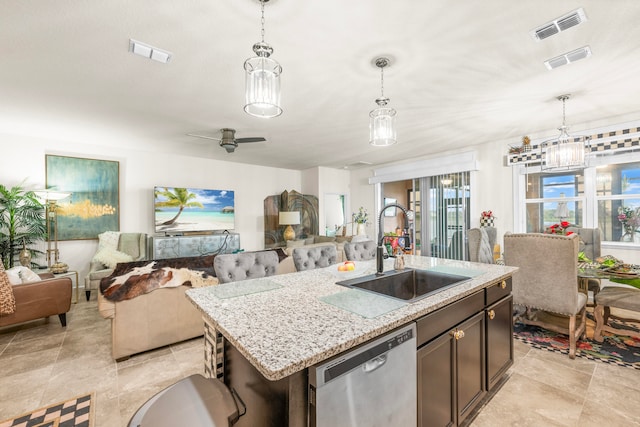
(193, 209)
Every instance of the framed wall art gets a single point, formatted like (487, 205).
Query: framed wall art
(94, 203)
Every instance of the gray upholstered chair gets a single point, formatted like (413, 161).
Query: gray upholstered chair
(481, 242)
(132, 244)
(360, 251)
(590, 240)
(456, 246)
(547, 281)
(314, 257)
(245, 265)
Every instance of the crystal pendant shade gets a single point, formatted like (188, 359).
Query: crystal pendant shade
(382, 127)
(262, 79)
(382, 120)
(262, 87)
(566, 152)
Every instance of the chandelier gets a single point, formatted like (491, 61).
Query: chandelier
(565, 152)
(262, 78)
(382, 123)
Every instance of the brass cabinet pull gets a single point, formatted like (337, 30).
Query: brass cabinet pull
(491, 314)
(457, 334)
(503, 285)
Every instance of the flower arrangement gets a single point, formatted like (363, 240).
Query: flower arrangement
(361, 217)
(559, 229)
(487, 215)
(630, 218)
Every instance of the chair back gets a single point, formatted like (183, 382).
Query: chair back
(590, 239)
(245, 265)
(314, 257)
(360, 251)
(134, 244)
(547, 276)
(481, 242)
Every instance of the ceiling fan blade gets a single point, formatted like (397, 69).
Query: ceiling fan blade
(255, 139)
(204, 136)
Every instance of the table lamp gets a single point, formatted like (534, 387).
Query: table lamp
(289, 219)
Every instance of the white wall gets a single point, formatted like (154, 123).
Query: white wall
(140, 171)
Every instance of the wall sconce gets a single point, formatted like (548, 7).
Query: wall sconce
(289, 219)
(51, 199)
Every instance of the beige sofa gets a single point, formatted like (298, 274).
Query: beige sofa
(162, 317)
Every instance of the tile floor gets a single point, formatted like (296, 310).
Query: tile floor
(43, 363)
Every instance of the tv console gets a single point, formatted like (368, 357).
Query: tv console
(193, 245)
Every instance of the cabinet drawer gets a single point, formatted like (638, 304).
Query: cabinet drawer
(440, 321)
(497, 291)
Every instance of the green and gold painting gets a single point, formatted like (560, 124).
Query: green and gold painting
(94, 203)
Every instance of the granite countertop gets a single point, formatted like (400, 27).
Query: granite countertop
(283, 325)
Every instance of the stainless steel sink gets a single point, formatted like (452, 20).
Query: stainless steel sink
(408, 285)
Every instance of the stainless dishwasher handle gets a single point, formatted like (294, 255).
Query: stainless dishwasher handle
(374, 363)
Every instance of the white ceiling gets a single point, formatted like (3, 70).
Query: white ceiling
(463, 73)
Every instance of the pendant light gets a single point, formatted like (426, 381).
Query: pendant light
(566, 152)
(382, 122)
(262, 75)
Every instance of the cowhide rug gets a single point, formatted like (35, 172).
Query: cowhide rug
(131, 279)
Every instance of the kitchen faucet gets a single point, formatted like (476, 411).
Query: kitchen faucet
(380, 248)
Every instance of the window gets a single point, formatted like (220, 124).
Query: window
(618, 193)
(611, 189)
(553, 198)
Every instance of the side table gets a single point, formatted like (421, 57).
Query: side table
(71, 274)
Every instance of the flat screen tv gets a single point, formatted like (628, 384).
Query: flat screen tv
(179, 210)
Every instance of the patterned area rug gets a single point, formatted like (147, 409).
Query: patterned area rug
(76, 412)
(615, 349)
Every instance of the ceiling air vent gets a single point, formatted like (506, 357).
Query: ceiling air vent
(562, 23)
(568, 58)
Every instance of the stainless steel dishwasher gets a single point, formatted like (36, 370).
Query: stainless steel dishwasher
(370, 386)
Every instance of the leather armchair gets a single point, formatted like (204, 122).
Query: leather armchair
(547, 281)
(134, 244)
(35, 300)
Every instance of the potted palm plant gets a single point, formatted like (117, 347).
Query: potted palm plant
(22, 222)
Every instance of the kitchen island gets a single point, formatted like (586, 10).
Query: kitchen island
(277, 327)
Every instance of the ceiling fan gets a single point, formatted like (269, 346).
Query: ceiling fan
(228, 140)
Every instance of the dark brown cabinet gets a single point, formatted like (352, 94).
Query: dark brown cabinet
(499, 321)
(464, 349)
(451, 371)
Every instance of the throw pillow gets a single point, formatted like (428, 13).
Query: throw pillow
(108, 240)
(7, 300)
(111, 257)
(485, 252)
(295, 243)
(21, 274)
(324, 239)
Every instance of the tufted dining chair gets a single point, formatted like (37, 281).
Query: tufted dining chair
(360, 251)
(481, 242)
(314, 257)
(245, 265)
(547, 282)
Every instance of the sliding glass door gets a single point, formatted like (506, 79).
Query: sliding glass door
(441, 206)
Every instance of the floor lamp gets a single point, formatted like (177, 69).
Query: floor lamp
(51, 199)
(289, 219)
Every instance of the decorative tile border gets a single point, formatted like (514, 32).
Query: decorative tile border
(607, 142)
